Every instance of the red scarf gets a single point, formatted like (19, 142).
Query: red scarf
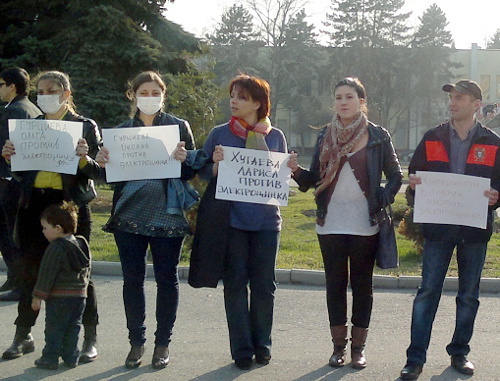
(253, 135)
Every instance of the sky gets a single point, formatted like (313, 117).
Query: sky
(469, 21)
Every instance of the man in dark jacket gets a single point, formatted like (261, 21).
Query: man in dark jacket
(14, 84)
(462, 146)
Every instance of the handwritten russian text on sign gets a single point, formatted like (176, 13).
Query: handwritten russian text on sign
(254, 176)
(45, 145)
(448, 198)
(140, 153)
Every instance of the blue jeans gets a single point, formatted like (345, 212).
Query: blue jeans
(63, 319)
(166, 253)
(435, 261)
(250, 261)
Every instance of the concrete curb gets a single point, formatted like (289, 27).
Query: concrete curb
(308, 277)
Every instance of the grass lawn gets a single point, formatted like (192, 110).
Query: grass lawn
(299, 245)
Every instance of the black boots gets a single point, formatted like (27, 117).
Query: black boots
(339, 339)
(358, 339)
(134, 357)
(161, 357)
(23, 343)
(89, 351)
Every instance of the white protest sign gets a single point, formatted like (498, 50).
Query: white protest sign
(254, 176)
(140, 153)
(45, 145)
(449, 198)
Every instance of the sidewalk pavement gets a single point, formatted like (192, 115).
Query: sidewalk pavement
(301, 342)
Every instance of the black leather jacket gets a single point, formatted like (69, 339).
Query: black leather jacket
(381, 158)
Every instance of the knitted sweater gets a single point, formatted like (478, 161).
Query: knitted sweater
(65, 269)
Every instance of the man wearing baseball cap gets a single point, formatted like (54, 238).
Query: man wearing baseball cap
(462, 146)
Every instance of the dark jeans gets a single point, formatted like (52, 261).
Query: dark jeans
(33, 245)
(63, 319)
(166, 254)
(10, 192)
(435, 261)
(250, 261)
(345, 255)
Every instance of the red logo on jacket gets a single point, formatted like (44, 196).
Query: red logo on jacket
(435, 151)
(482, 154)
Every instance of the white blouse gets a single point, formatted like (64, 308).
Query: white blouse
(347, 211)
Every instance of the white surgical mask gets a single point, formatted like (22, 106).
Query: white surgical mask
(49, 104)
(149, 105)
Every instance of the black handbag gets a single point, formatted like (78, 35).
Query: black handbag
(387, 254)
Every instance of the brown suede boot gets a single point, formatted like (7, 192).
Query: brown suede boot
(339, 339)
(358, 339)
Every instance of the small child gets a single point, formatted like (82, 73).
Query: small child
(62, 282)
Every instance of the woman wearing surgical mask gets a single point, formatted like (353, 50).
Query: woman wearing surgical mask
(149, 213)
(41, 189)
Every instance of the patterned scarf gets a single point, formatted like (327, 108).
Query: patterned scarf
(253, 135)
(338, 142)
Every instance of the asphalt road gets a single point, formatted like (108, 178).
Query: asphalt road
(301, 342)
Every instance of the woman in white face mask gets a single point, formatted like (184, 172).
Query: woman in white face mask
(41, 189)
(150, 213)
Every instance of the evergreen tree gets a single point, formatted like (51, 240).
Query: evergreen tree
(99, 43)
(432, 29)
(302, 58)
(234, 44)
(367, 23)
(375, 35)
(494, 42)
(430, 65)
(196, 98)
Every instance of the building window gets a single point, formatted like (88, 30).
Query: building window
(485, 86)
(498, 87)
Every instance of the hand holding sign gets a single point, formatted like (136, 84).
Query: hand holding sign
(180, 152)
(8, 150)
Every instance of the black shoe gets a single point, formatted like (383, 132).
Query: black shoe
(161, 357)
(70, 364)
(89, 351)
(134, 358)
(462, 365)
(88, 354)
(44, 364)
(19, 347)
(262, 359)
(411, 372)
(244, 363)
(11, 296)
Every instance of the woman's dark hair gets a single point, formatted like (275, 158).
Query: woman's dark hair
(60, 79)
(134, 84)
(64, 214)
(258, 89)
(18, 77)
(356, 84)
